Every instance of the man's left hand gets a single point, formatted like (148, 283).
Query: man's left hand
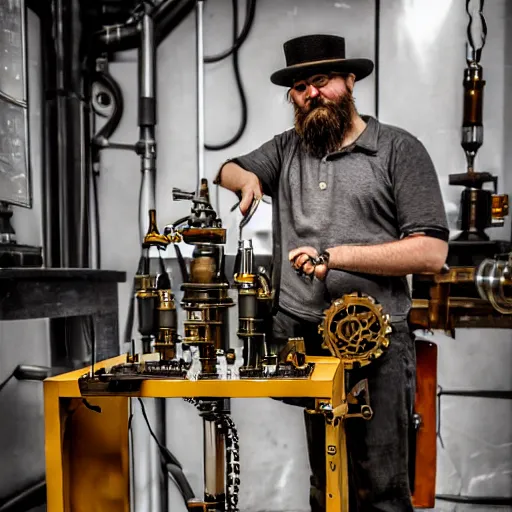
(303, 259)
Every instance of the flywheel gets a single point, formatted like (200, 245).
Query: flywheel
(355, 329)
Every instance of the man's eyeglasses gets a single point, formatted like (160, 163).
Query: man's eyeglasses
(316, 81)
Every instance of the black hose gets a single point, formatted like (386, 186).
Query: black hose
(26, 499)
(181, 482)
(98, 141)
(95, 176)
(476, 500)
(6, 381)
(107, 80)
(243, 100)
(249, 18)
(478, 393)
(170, 462)
(181, 262)
(167, 16)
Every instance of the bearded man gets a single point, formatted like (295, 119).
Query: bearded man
(356, 207)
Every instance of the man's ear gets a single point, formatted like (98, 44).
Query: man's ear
(350, 81)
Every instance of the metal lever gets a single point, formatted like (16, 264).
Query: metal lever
(178, 194)
(248, 216)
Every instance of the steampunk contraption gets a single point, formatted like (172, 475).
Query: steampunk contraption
(355, 331)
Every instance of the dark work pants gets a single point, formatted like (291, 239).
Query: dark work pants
(378, 448)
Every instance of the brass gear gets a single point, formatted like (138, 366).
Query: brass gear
(355, 329)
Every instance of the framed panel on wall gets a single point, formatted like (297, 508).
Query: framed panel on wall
(15, 185)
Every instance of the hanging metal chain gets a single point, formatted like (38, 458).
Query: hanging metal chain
(232, 461)
(224, 422)
(477, 24)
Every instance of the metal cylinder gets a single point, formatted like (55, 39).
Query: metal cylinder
(472, 132)
(146, 312)
(246, 256)
(147, 77)
(167, 319)
(247, 305)
(252, 352)
(213, 465)
(473, 96)
(494, 284)
(147, 198)
(476, 211)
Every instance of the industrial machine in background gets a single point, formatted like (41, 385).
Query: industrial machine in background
(474, 290)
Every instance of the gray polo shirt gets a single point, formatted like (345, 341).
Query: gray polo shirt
(380, 189)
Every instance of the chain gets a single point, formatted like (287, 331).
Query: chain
(481, 26)
(227, 426)
(232, 462)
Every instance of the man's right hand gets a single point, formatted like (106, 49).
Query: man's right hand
(250, 191)
(235, 178)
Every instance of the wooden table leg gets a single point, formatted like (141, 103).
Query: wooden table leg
(56, 464)
(336, 466)
(87, 456)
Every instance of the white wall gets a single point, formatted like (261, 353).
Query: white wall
(422, 61)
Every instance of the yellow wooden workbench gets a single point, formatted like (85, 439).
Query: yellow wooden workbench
(87, 455)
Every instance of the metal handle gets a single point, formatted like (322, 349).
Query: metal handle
(248, 216)
(178, 195)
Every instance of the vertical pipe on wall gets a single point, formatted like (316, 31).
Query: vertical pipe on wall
(67, 126)
(146, 147)
(61, 28)
(154, 498)
(66, 123)
(50, 205)
(200, 93)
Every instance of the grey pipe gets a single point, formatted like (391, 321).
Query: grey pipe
(200, 93)
(146, 147)
(147, 76)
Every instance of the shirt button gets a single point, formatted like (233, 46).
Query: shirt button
(322, 185)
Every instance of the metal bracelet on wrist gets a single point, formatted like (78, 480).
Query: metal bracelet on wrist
(323, 259)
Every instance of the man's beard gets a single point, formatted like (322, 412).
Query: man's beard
(322, 124)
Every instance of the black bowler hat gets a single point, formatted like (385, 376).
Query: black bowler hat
(308, 55)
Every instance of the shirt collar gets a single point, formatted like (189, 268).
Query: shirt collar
(369, 137)
(367, 140)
